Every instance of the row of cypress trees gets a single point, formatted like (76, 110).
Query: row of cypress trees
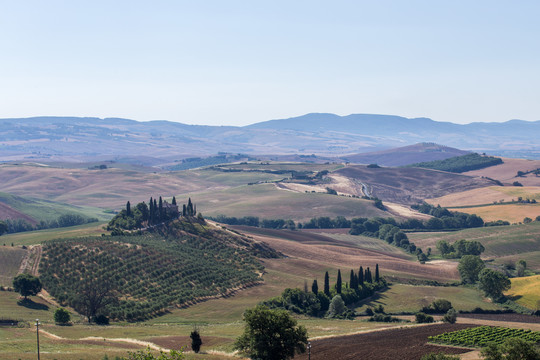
(356, 280)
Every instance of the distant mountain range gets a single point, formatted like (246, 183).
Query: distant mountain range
(329, 135)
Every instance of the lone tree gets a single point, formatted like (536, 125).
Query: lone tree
(196, 341)
(27, 285)
(271, 335)
(469, 267)
(493, 283)
(315, 287)
(326, 284)
(93, 297)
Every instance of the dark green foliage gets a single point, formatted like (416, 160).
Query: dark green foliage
(491, 336)
(3, 227)
(377, 273)
(511, 349)
(62, 316)
(450, 316)
(379, 204)
(315, 287)
(422, 318)
(384, 318)
(128, 209)
(101, 320)
(373, 166)
(493, 283)
(196, 341)
(361, 276)
(517, 183)
(26, 285)
(326, 284)
(459, 164)
(65, 220)
(148, 354)
(331, 191)
(231, 220)
(174, 264)
(271, 335)
(469, 268)
(143, 215)
(338, 282)
(459, 248)
(439, 306)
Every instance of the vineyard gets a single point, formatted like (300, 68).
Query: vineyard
(482, 335)
(180, 263)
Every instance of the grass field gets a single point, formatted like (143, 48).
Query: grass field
(526, 291)
(502, 243)
(39, 236)
(487, 195)
(408, 298)
(513, 213)
(10, 260)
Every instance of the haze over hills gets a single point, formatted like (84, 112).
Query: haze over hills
(155, 142)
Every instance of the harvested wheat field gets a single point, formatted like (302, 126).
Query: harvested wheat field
(506, 172)
(487, 195)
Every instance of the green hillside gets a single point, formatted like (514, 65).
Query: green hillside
(44, 210)
(173, 265)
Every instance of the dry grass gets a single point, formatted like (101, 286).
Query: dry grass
(10, 261)
(526, 291)
(514, 213)
(487, 195)
(507, 171)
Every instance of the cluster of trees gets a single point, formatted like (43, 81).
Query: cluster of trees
(156, 212)
(330, 301)
(459, 164)
(472, 270)
(445, 219)
(65, 220)
(138, 277)
(459, 248)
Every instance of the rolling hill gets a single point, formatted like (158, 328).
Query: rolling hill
(158, 142)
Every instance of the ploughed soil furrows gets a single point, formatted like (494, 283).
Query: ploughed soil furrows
(410, 185)
(327, 252)
(403, 344)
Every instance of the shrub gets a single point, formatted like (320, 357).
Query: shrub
(62, 316)
(422, 318)
(451, 316)
(101, 320)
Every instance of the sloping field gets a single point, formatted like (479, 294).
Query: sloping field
(270, 202)
(7, 212)
(10, 261)
(503, 243)
(506, 172)
(514, 213)
(487, 195)
(311, 249)
(410, 185)
(526, 291)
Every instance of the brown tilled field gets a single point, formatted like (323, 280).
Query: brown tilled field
(324, 251)
(411, 185)
(403, 344)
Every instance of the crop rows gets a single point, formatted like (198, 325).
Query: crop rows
(149, 273)
(482, 335)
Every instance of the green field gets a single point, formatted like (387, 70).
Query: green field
(45, 210)
(39, 236)
(409, 298)
(526, 291)
(502, 243)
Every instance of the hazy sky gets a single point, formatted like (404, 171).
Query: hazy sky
(240, 62)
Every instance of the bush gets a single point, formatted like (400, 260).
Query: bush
(101, 320)
(439, 356)
(422, 318)
(450, 317)
(62, 316)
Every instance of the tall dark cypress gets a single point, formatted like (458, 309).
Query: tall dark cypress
(361, 276)
(128, 209)
(160, 211)
(338, 282)
(151, 215)
(377, 273)
(156, 212)
(184, 210)
(189, 207)
(326, 284)
(315, 287)
(352, 283)
(173, 200)
(368, 276)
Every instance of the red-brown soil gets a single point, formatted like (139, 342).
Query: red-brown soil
(403, 344)
(504, 317)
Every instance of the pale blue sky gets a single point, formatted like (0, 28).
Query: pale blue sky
(240, 62)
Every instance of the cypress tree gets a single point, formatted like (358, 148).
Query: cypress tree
(338, 282)
(368, 276)
(377, 273)
(161, 215)
(128, 209)
(361, 276)
(151, 215)
(190, 207)
(351, 280)
(156, 212)
(315, 287)
(173, 200)
(326, 284)
(184, 210)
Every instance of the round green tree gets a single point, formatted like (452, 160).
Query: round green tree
(469, 267)
(26, 285)
(271, 335)
(493, 283)
(62, 316)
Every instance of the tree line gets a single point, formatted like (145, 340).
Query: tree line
(20, 225)
(459, 164)
(330, 300)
